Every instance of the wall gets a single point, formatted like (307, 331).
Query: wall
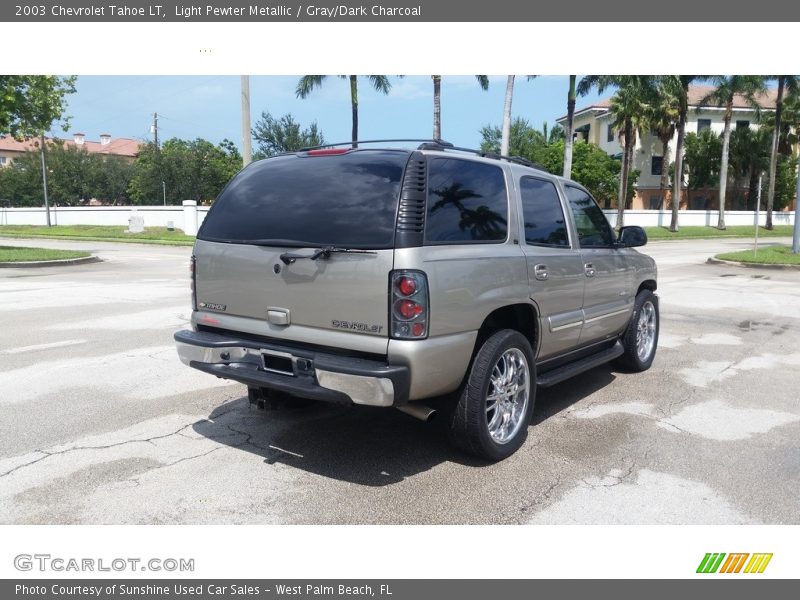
(158, 216)
(154, 216)
(691, 218)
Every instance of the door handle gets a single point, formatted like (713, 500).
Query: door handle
(540, 272)
(588, 268)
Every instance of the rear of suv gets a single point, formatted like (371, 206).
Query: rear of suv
(387, 277)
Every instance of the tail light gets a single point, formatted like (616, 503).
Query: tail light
(410, 305)
(193, 271)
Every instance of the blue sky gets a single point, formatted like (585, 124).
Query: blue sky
(209, 106)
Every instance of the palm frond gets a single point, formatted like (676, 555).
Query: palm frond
(307, 84)
(483, 81)
(380, 83)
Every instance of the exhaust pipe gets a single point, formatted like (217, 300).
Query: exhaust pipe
(418, 411)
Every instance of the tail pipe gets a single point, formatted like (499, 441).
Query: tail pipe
(418, 411)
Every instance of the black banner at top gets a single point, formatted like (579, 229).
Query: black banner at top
(670, 13)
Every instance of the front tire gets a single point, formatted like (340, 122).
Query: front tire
(641, 337)
(494, 407)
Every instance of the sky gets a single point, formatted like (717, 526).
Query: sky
(210, 106)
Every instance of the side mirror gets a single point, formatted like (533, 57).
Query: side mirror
(632, 237)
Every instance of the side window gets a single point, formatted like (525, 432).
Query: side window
(467, 202)
(541, 209)
(592, 225)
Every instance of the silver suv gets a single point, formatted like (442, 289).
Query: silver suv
(388, 277)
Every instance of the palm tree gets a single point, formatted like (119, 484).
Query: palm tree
(680, 83)
(786, 83)
(727, 87)
(505, 138)
(506, 130)
(663, 117)
(570, 119)
(629, 107)
(483, 81)
(380, 83)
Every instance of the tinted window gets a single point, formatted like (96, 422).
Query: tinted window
(467, 202)
(541, 208)
(592, 225)
(343, 200)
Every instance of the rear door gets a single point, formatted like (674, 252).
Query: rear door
(293, 206)
(555, 270)
(608, 297)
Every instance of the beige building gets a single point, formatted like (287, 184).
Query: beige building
(11, 148)
(594, 124)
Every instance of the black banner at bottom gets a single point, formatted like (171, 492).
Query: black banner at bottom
(397, 589)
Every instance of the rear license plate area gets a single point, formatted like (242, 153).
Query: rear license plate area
(277, 362)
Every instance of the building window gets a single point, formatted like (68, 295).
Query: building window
(742, 124)
(3, 160)
(610, 134)
(703, 124)
(656, 165)
(655, 203)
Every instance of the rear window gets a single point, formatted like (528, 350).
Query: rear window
(345, 200)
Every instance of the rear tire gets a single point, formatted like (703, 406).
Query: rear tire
(493, 410)
(640, 339)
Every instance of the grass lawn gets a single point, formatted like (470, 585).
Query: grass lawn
(15, 254)
(770, 255)
(695, 233)
(99, 233)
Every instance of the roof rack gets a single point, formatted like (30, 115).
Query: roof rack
(435, 144)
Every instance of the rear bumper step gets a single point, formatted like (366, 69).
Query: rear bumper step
(304, 373)
(579, 366)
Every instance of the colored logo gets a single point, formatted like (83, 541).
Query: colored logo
(719, 562)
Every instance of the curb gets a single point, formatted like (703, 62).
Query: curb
(50, 263)
(732, 263)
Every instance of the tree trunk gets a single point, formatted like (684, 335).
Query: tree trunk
(354, 104)
(437, 107)
(677, 177)
(773, 158)
(723, 168)
(664, 171)
(627, 153)
(505, 140)
(570, 119)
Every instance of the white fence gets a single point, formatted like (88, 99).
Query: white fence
(699, 218)
(154, 216)
(188, 217)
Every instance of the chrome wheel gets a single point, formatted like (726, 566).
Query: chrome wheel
(507, 396)
(646, 331)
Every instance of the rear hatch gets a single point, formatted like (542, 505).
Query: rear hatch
(252, 269)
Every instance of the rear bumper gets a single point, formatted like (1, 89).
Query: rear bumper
(303, 373)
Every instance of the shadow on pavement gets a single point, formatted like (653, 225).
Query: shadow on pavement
(362, 445)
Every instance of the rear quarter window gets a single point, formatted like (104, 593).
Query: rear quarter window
(467, 202)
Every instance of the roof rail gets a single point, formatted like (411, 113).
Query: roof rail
(434, 144)
(513, 159)
(438, 143)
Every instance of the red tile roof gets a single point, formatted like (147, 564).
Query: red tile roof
(118, 147)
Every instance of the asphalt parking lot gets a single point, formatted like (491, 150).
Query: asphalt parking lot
(101, 423)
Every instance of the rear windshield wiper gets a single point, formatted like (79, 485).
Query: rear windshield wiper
(324, 252)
